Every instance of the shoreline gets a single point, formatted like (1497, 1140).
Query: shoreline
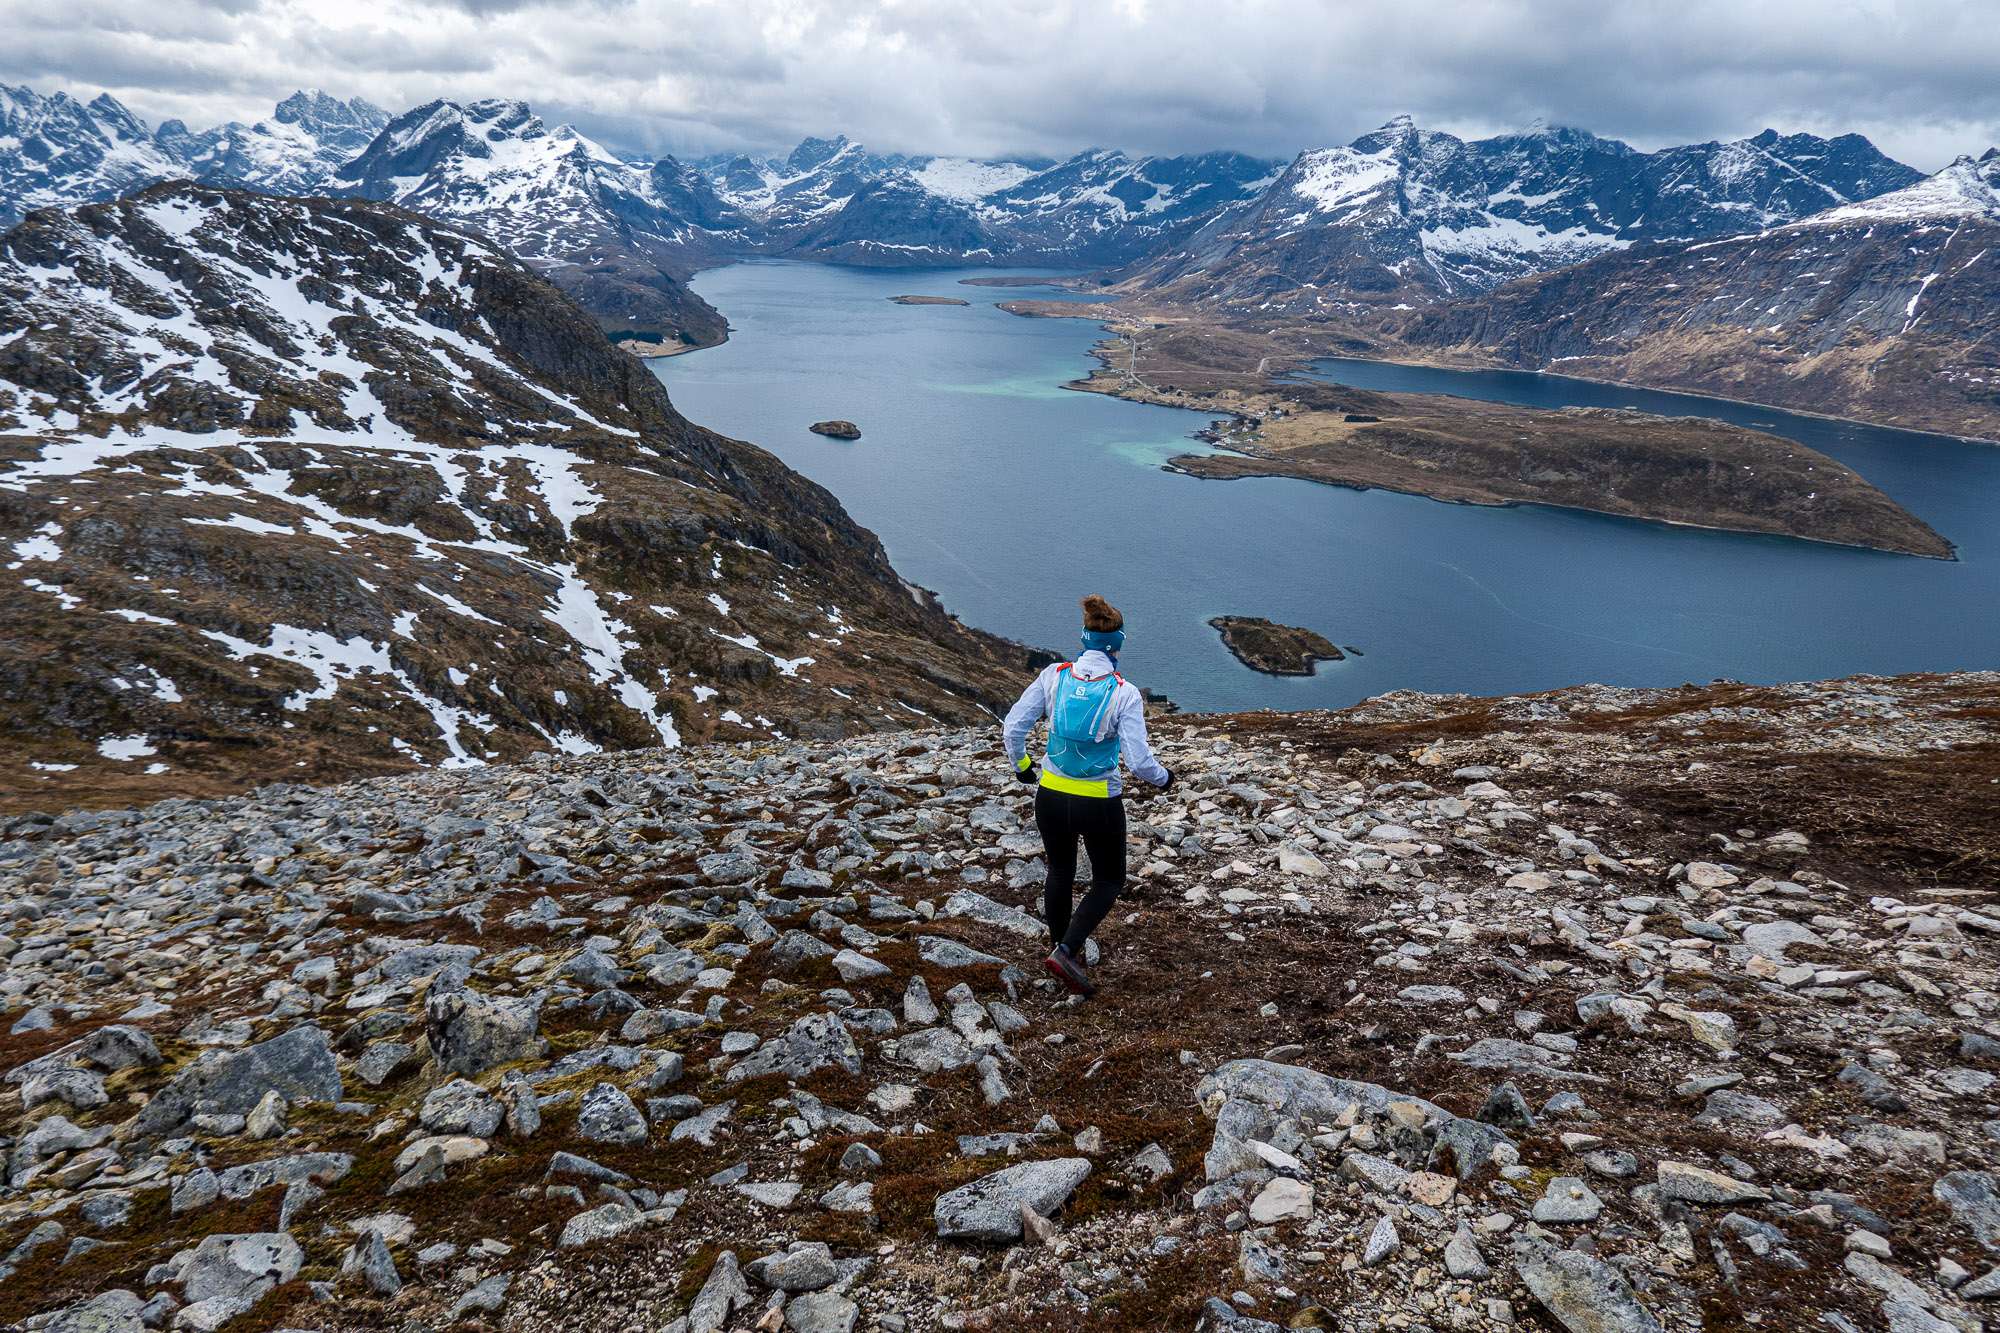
(1086, 311)
(1131, 388)
(1173, 465)
(1420, 364)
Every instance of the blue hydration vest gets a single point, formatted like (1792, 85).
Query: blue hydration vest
(1083, 740)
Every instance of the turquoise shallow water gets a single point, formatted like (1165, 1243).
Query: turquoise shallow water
(1012, 497)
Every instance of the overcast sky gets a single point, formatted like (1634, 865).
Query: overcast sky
(987, 77)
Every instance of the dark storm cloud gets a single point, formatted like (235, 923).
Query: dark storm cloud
(1013, 76)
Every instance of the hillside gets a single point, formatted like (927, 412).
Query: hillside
(306, 489)
(1596, 1010)
(1881, 311)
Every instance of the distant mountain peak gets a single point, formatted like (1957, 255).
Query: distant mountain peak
(813, 153)
(313, 106)
(1964, 189)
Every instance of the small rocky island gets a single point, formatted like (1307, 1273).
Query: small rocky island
(1274, 649)
(837, 430)
(928, 300)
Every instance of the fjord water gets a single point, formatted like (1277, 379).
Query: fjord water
(1012, 496)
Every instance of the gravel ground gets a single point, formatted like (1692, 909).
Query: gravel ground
(1595, 1010)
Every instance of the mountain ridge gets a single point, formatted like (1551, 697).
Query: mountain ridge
(1406, 215)
(1879, 310)
(1367, 236)
(556, 198)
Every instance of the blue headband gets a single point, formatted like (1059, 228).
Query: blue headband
(1104, 640)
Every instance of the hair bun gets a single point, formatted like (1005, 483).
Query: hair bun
(1101, 615)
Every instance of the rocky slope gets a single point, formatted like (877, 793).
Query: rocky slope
(557, 200)
(1407, 215)
(1598, 1010)
(1881, 310)
(333, 475)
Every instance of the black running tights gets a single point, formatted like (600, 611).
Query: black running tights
(1062, 818)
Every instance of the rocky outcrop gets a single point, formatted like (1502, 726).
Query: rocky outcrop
(836, 429)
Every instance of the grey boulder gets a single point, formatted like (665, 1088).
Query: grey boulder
(811, 1044)
(601, 1223)
(807, 1266)
(470, 1033)
(459, 1107)
(1582, 1292)
(1974, 1201)
(821, 1312)
(297, 1065)
(989, 1209)
(608, 1116)
(228, 1274)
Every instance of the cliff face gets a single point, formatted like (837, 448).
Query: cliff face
(1880, 311)
(1598, 1009)
(308, 488)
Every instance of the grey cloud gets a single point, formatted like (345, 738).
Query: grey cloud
(1052, 76)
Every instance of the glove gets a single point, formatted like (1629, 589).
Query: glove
(1025, 773)
(1169, 783)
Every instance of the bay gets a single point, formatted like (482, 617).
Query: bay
(1012, 496)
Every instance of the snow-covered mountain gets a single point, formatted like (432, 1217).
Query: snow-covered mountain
(835, 199)
(1968, 189)
(588, 221)
(1103, 208)
(1405, 214)
(1401, 216)
(296, 488)
(1881, 309)
(56, 150)
(308, 138)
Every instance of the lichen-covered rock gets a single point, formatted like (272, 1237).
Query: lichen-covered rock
(298, 1065)
(815, 1042)
(227, 1275)
(461, 1107)
(989, 1209)
(471, 1033)
(608, 1116)
(1582, 1292)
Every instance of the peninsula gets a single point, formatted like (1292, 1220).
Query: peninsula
(1690, 471)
